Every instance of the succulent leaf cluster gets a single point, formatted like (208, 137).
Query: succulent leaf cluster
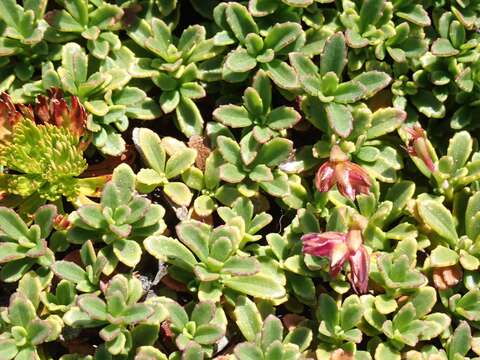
(239, 180)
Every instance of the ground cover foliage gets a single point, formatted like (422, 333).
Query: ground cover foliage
(251, 180)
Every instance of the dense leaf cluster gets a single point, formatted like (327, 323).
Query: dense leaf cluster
(239, 180)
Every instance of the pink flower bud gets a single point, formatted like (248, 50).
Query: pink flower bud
(350, 178)
(338, 248)
(418, 146)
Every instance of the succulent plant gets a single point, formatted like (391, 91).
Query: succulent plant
(23, 246)
(200, 329)
(255, 169)
(253, 223)
(213, 257)
(209, 186)
(43, 170)
(118, 313)
(259, 122)
(176, 63)
(22, 31)
(266, 7)
(24, 331)
(85, 276)
(121, 220)
(154, 152)
(308, 185)
(96, 23)
(256, 50)
(338, 323)
(23, 26)
(265, 337)
(102, 89)
(62, 299)
(327, 98)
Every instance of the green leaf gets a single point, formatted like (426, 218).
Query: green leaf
(203, 313)
(150, 146)
(300, 336)
(189, 118)
(233, 116)
(258, 285)
(164, 248)
(93, 306)
(262, 7)
(459, 148)
(79, 11)
(38, 331)
(374, 81)
(282, 118)
(204, 205)
(274, 152)
(282, 34)
(69, 271)
(75, 63)
(443, 257)
(128, 252)
(240, 21)
(124, 179)
(334, 55)
(8, 349)
(229, 149)
(11, 13)
(272, 330)
(428, 104)
(261, 173)
(439, 219)
(105, 16)
(190, 37)
(117, 345)
(444, 48)
(10, 251)
(169, 101)
(21, 311)
(460, 342)
(262, 84)
(349, 92)
(328, 312)
(241, 266)
(385, 351)
(282, 74)
(370, 13)
(12, 225)
(195, 235)
(468, 305)
(136, 313)
(44, 218)
(179, 162)
(253, 102)
(248, 351)
(340, 119)
(351, 312)
(92, 216)
(424, 300)
(240, 61)
(385, 121)
(415, 14)
(231, 174)
(302, 64)
(178, 192)
(397, 273)
(472, 220)
(208, 334)
(247, 318)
